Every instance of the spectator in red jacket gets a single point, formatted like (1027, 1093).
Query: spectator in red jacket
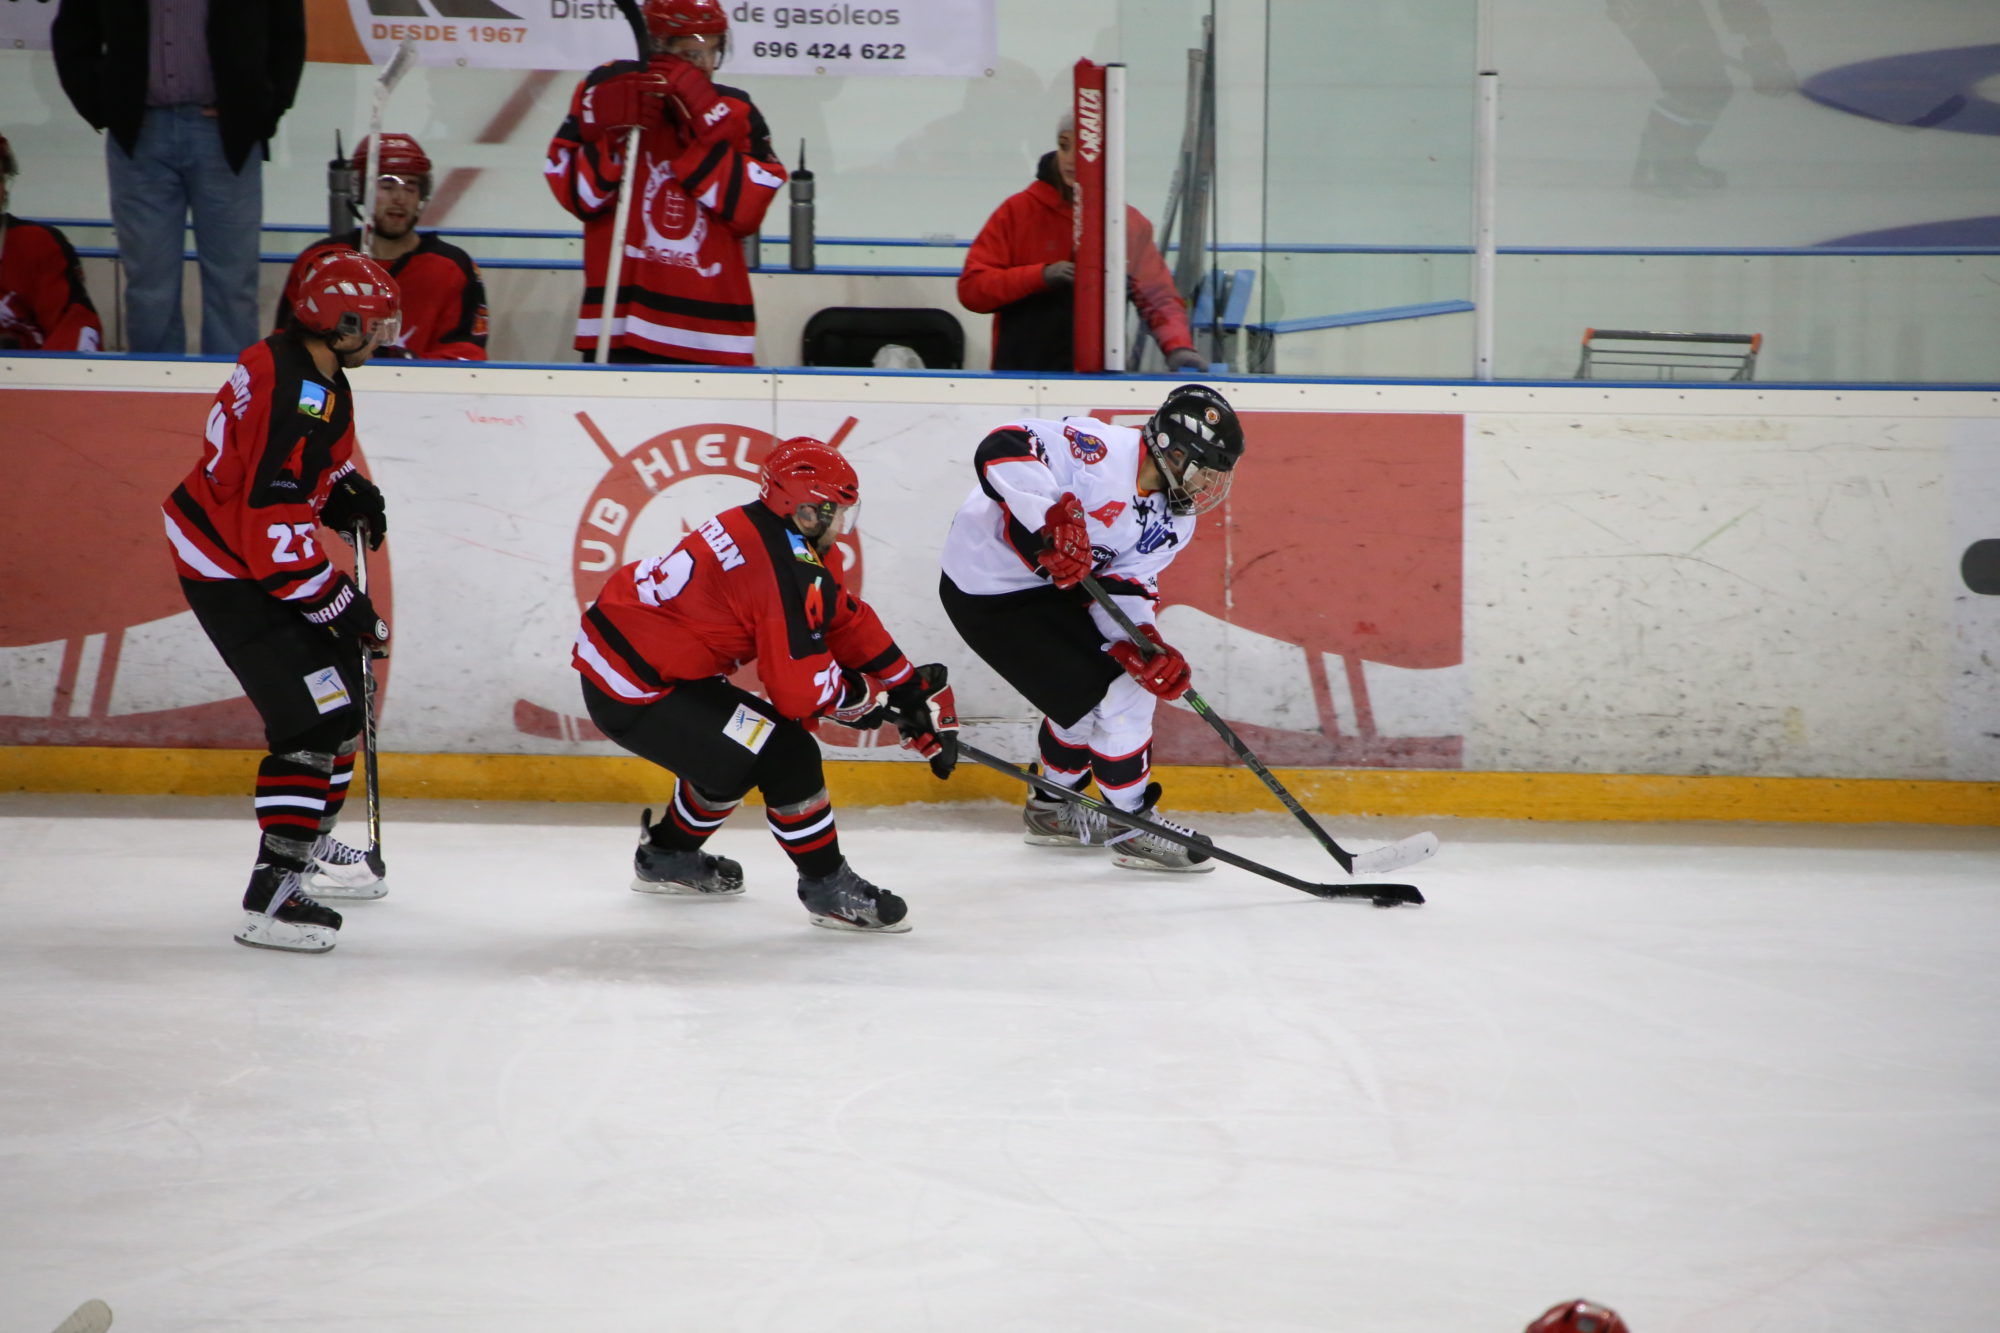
(444, 298)
(43, 306)
(1022, 269)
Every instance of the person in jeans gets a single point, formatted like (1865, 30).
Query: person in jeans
(190, 92)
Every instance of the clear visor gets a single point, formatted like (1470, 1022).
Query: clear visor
(1202, 489)
(387, 181)
(382, 329)
(826, 518)
(707, 50)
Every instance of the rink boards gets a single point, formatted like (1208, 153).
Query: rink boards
(1435, 598)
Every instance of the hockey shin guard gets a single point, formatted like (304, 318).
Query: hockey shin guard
(805, 829)
(291, 801)
(691, 817)
(1065, 757)
(336, 787)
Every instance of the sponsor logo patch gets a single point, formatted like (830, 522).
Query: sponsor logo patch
(327, 690)
(749, 728)
(803, 550)
(315, 402)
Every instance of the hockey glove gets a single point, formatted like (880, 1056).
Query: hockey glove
(1065, 552)
(859, 706)
(705, 115)
(925, 713)
(1159, 668)
(350, 615)
(1186, 358)
(636, 97)
(355, 499)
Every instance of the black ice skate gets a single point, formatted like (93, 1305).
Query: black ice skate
(681, 873)
(1135, 850)
(340, 871)
(845, 901)
(277, 914)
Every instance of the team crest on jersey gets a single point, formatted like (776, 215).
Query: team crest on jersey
(1087, 447)
(315, 402)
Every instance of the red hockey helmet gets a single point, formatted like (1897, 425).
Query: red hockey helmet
(402, 155)
(346, 294)
(1579, 1317)
(804, 472)
(667, 19)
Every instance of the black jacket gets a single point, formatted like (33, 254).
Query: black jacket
(256, 50)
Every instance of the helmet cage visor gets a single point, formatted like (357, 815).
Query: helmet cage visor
(354, 326)
(1198, 490)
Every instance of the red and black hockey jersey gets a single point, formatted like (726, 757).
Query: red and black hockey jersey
(684, 291)
(43, 305)
(444, 298)
(278, 436)
(742, 587)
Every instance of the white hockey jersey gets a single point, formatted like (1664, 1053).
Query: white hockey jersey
(1023, 468)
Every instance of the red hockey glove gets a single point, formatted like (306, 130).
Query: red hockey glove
(636, 97)
(925, 713)
(1165, 673)
(705, 115)
(859, 705)
(1065, 552)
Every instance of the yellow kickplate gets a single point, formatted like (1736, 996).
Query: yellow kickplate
(1329, 791)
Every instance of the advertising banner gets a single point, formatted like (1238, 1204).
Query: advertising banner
(24, 24)
(1322, 644)
(936, 37)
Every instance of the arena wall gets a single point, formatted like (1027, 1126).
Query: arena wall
(1415, 592)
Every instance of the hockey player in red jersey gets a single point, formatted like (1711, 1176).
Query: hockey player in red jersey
(1058, 500)
(244, 525)
(757, 583)
(705, 176)
(444, 298)
(43, 305)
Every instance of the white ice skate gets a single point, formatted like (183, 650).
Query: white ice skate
(1135, 849)
(340, 871)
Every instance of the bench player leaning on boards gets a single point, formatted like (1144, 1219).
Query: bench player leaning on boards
(1058, 500)
(276, 464)
(444, 298)
(760, 583)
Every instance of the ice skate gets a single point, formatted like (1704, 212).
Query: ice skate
(277, 914)
(1136, 850)
(340, 871)
(1056, 823)
(845, 901)
(678, 872)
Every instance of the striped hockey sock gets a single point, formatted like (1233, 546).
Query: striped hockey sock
(806, 831)
(336, 788)
(691, 817)
(291, 801)
(1122, 777)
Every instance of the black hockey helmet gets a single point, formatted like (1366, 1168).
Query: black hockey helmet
(1195, 440)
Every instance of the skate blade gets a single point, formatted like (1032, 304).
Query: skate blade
(1382, 860)
(855, 928)
(326, 888)
(1054, 840)
(1141, 863)
(260, 932)
(675, 889)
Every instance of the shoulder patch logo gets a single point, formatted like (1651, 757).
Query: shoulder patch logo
(315, 402)
(802, 550)
(1087, 447)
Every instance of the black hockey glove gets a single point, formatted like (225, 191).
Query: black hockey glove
(925, 713)
(352, 616)
(354, 499)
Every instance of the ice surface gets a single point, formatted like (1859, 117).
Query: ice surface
(1723, 1078)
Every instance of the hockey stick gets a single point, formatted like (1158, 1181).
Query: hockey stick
(392, 74)
(621, 206)
(1382, 895)
(93, 1316)
(1417, 847)
(371, 778)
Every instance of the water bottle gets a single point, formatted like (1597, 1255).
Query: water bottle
(343, 192)
(802, 215)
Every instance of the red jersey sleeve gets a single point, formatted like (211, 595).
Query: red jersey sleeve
(583, 174)
(735, 180)
(993, 276)
(40, 268)
(1153, 286)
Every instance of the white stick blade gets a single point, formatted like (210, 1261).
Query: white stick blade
(90, 1317)
(1418, 847)
(399, 65)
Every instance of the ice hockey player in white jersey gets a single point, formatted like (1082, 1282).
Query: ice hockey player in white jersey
(1058, 500)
